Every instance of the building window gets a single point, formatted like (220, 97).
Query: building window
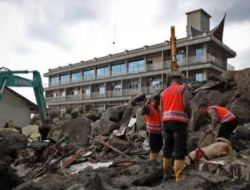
(103, 72)
(157, 84)
(101, 90)
(89, 75)
(117, 87)
(199, 77)
(65, 79)
(75, 92)
(133, 86)
(54, 81)
(118, 69)
(87, 92)
(198, 54)
(180, 59)
(76, 76)
(63, 93)
(136, 66)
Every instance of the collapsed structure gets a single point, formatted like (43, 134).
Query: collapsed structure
(90, 150)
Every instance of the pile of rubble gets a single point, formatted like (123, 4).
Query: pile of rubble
(91, 150)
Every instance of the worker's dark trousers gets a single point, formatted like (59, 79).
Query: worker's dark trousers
(155, 142)
(227, 128)
(175, 135)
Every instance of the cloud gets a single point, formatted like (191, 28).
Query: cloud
(46, 20)
(23, 50)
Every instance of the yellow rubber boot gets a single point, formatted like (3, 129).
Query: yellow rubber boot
(167, 168)
(153, 156)
(179, 169)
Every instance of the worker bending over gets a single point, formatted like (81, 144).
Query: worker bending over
(176, 111)
(153, 116)
(222, 116)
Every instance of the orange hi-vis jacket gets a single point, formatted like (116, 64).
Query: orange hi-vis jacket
(172, 103)
(224, 115)
(154, 120)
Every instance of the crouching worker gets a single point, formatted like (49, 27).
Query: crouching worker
(218, 149)
(152, 112)
(222, 116)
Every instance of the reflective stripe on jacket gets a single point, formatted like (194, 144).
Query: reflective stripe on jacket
(223, 114)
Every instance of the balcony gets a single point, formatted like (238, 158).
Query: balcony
(94, 95)
(192, 60)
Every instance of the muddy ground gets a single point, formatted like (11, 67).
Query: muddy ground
(145, 176)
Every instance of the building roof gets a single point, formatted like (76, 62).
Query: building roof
(202, 10)
(33, 107)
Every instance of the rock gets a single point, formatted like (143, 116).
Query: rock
(36, 120)
(127, 114)
(68, 116)
(88, 108)
(118, 143)
(93, 116)
(242, 132)
(31, 186)
(140, 120)
(104, 127)
(53, 112)
(68, 110)
(74, 113)
(94, 182)
(8, 178)
(137, 98)
(55, 133)
(76, 187)
(76, 129)
(242, 114)
(11, 143)
(81, 110)
(111, 114)
(134, 170)
(56, 121)
(228, 75)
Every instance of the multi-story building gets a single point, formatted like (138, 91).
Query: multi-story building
(113, 79)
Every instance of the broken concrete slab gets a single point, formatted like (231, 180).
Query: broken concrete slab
(29, 129)
(76, 129)
(93, 116)
(119, 144)
(137, 98)
(104, 127)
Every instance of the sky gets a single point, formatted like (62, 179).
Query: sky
(44, 34)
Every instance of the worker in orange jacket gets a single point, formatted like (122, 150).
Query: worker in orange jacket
(176, 111)
(222, 116)
(152, 112)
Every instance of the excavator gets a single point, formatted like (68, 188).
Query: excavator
(174, 71)
(9, 79)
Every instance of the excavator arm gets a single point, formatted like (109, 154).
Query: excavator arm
(9, 79)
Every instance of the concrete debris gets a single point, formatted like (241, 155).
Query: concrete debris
(104, 127)
(137, 98)
(103, 152)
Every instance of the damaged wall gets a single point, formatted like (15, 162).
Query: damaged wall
(13, 108)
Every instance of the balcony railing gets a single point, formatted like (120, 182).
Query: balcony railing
(192, 60)
(107, 94)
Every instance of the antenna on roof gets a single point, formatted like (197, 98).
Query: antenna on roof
(114, 42)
